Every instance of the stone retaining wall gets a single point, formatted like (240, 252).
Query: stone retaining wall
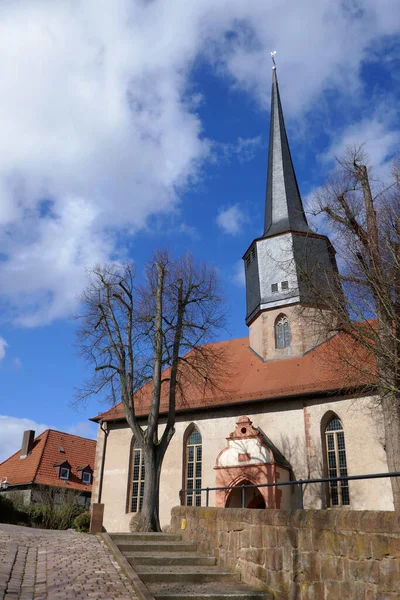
(302, 554)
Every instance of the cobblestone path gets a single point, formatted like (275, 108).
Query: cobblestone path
(36, 564)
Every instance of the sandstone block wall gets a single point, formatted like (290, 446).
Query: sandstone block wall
(302, 554)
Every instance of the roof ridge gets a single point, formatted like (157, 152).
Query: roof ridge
(41, 456)
(70, 434)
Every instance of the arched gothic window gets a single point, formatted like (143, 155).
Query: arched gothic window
(336, 461)
(193, 465)
(138, 475)
(282, 332)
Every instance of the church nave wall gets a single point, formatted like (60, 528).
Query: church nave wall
(293, 426)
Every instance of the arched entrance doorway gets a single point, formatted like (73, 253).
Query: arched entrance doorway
(250, 456)
(253, 497)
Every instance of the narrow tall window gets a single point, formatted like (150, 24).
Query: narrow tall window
(193, 468)
(137, 478)
(282, 332)
(337, 463)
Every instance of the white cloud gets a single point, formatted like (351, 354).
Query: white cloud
(380, 141)
(3, 346)
(12, 429)
(98, 115)
(238, 274)
(231, 219)
(246, 148)
(376, 133)
(16, 364)
(85, 429)
(11, 432)
(243, 150)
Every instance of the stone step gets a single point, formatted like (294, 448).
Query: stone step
(174, 570)
(138, 546)
(207, 591)
(185, 574)
(169, 558)
(145, 537)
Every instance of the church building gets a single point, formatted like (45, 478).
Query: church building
(290, 413)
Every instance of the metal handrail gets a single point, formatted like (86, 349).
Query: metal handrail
(299, 482)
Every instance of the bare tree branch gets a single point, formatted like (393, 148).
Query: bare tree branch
(364, 216)
(138, 340)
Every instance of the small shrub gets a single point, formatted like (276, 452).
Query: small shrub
(14, 513)
(82, 522)
(53, 508)
(54, 517)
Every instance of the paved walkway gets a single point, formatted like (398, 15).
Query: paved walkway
(36, 564)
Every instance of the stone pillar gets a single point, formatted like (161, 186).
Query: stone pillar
(96, 518)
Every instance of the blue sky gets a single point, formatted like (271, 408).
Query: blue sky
(132, 125)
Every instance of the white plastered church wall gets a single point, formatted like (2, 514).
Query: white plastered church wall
(283, 423)
(363, 431)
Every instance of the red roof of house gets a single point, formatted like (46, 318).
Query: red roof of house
(50, 448)
(246, 378)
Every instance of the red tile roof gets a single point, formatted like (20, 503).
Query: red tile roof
(38, 466)
(247, 378)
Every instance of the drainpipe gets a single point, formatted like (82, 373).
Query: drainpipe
(104, 428)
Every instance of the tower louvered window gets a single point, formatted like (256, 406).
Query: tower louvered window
(337, 463)
(193, 468)
(138, 475)
(282, 332)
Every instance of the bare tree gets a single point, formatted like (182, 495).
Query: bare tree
(364, 216)
(148, 346)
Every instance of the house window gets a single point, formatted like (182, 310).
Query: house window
(274, 288)
(64, 473)
(86, 477)
(282, 332)
(193, 468)
(137, 478)
(337, 464)
(284, 285)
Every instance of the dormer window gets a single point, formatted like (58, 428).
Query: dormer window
(86, 477)
(64, 473)
(64, 470)
(86, 474)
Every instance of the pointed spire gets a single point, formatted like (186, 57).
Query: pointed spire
(283, 209)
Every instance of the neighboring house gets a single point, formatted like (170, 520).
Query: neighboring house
(53, 459)
(285, 411)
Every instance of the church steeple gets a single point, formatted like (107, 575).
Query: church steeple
(283, 208)
(285, 266)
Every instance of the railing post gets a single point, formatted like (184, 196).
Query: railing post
(301, 493)
(243, 496)
(207, 495)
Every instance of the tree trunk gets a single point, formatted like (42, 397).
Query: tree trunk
(148, 519)
(391, 417)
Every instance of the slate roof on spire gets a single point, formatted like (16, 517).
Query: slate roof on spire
(283, 209)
